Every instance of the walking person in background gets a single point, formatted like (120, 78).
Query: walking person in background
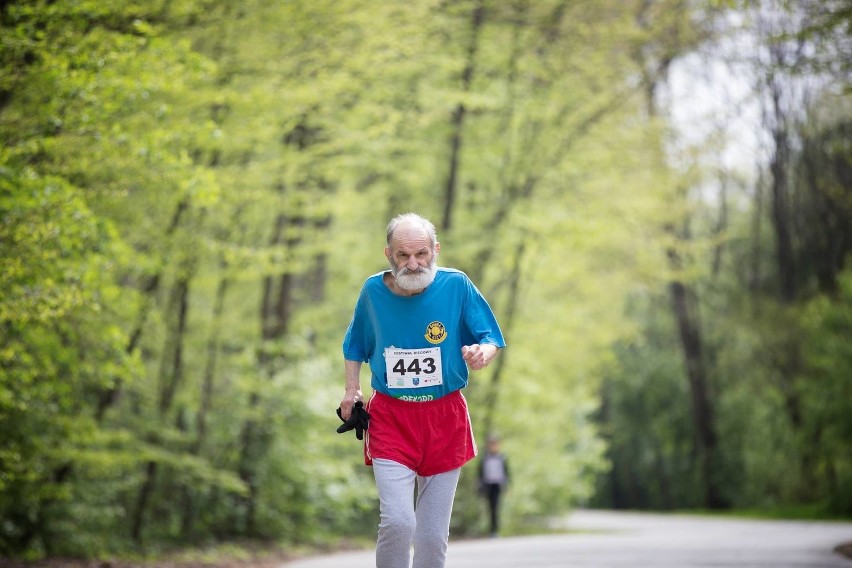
(493, 479)
(420, 328)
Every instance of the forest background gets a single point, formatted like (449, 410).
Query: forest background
(193, 191)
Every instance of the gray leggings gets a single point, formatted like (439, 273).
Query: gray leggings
(426, 524)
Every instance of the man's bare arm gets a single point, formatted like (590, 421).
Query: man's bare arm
(352, 371)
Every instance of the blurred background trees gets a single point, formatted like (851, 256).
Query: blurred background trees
(193, 191)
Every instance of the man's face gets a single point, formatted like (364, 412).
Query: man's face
(412, 258)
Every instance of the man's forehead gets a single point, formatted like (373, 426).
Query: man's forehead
(411, 236)
(413, 244)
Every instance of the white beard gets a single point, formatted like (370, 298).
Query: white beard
(414, 281)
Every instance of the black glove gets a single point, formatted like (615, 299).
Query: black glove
(359, 421)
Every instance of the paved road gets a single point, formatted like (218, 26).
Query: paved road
(638, 540)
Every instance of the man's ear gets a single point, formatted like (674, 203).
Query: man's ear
(388, 253)
(437, 248)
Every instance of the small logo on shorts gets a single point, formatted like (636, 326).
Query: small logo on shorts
(435, 332)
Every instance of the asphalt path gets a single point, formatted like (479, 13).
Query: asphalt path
(606, 539)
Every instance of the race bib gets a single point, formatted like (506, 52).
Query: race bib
(413, 368)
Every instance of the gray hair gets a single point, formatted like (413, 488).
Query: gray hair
(414, 219)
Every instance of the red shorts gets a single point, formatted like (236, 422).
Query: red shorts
(427, 437)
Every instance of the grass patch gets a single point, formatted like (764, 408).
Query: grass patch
(225, 555)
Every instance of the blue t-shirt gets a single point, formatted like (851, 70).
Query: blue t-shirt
(449, 313)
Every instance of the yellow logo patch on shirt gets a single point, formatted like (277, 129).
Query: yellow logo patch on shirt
(435, 332)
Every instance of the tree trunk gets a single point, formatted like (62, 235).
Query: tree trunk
(688, 324)
(754, 266)
(142, 502)
(171, 375)
(508, 321)
(684, 303)
(206, 402)
(458, 117)
(110, 396)
(789, 361)
(781, 220)
(172, 370)
(276, 311)
(721, 227)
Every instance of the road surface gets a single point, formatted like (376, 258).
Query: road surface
(605, 539)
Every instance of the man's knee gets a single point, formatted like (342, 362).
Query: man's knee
(432, 538)
(399, 526)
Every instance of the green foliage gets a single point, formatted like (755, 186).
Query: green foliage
(192, 192)
(826, 386)
(62, 344)
(647, 418)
